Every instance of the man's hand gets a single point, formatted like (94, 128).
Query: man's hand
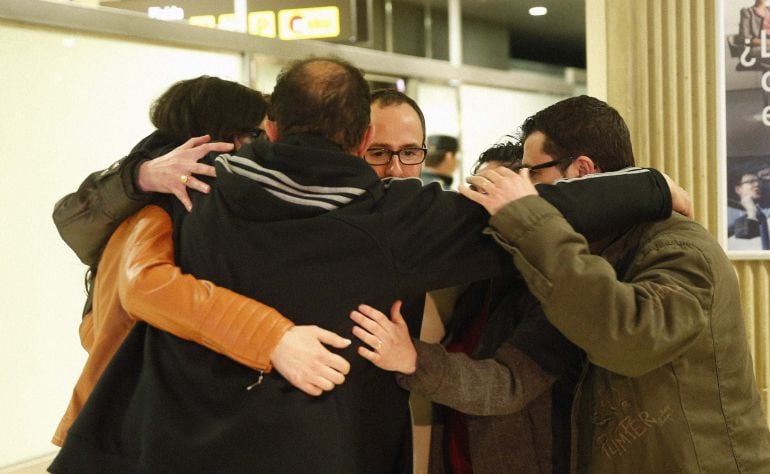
(389, 338)
(173, 172)
(494, 188)
(680, 199)
(303, 360)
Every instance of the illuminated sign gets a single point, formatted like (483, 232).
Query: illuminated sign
(207, 21)
(305, 23)
(262, 24)
(170, 13)
(288, 24)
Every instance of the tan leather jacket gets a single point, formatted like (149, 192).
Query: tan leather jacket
(138, 281)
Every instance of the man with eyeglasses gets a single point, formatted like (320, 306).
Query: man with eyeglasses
(669, 383)
(749, 231)
(398, 146)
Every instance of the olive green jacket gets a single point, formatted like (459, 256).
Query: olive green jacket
(670, 385)
(87, 218)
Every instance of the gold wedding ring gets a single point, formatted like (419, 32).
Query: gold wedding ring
(184, 178)
(379, 344)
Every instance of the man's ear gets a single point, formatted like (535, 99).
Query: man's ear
(271, 130)
(585, 165)
(367, 140)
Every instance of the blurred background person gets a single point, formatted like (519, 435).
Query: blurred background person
(754, 20)
(441, 160)
(749, 231)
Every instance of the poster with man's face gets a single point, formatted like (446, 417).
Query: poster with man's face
(747, 124)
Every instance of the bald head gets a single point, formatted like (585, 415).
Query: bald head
(322, 96)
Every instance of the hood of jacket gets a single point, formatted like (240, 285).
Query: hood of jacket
(285, 171)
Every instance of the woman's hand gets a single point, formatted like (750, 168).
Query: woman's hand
(389, 339)
(173, 172)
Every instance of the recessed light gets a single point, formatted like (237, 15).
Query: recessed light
(538, 11)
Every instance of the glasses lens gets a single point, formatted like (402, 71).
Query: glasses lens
(377, 156)
(411, 155)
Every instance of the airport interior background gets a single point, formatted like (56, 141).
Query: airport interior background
(79, 76)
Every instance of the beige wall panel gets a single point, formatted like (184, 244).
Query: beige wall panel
(755, 281)
(661, 74)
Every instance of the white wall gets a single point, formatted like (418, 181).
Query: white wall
(489, 114)
(478, 116)
(71, 104)
(439, 104)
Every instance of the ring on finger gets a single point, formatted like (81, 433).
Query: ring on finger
(379, 344)
(184, 179)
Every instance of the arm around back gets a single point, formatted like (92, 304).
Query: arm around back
(86, 218)
(155, 290)
(629, 327)
(500, 385)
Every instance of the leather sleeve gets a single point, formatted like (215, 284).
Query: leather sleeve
(86, 331)
(153, 289)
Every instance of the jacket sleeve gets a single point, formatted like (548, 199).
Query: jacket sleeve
(626, 327)
(444, 247)
(744, 27)
(154, 290)
(746, 228)
(600, 204)
(497, 386)
(87, 218)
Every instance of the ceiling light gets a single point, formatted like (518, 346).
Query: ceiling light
(538, 11)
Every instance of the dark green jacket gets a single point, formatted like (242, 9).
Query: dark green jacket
(670, 385)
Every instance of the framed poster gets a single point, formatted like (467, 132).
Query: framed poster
(744, 43)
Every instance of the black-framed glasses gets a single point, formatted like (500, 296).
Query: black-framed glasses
(411, 155)
(541, 166)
